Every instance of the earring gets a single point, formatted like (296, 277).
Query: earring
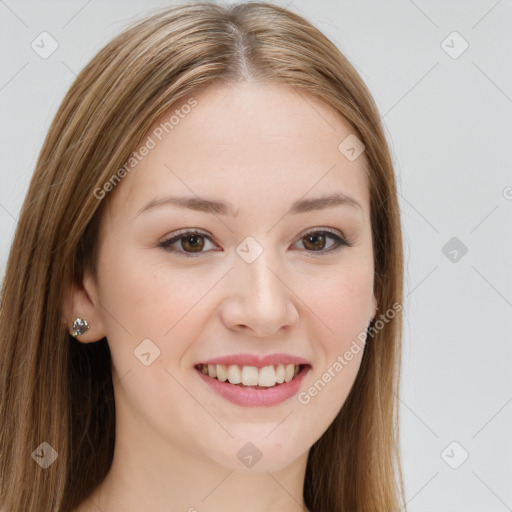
(79, 327)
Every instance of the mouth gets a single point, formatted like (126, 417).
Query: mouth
(253, 377)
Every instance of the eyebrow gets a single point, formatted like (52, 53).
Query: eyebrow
(226, 208)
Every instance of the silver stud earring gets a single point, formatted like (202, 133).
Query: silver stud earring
(79, 327)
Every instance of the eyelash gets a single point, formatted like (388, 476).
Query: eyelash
(167, 244)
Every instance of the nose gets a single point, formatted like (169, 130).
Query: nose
(259, 300)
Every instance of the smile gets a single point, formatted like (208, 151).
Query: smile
(251, 386)
(251, 376)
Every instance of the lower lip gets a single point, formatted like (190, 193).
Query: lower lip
(250, 397)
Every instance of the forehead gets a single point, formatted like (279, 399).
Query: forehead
(246, 143)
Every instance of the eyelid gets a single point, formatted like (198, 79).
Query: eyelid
(332, 231)
(336, 233)
(167, 242)
(177, 235)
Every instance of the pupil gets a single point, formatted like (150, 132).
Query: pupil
(317, 237)
(193, 243)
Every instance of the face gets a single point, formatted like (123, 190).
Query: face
(264, 279)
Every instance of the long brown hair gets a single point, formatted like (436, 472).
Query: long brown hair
(54, 389)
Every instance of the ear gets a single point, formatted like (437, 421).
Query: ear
(81, 300)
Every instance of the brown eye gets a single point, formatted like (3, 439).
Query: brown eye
(186, 243)
(315, 241)
(193, 243)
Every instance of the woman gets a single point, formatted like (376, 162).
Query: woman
(189, 313)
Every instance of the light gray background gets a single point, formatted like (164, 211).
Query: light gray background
(450, 130)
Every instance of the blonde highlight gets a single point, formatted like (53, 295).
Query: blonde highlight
(156, 63)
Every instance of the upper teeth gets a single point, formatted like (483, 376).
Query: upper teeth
(251, 375)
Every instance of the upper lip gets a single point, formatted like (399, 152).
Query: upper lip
(258, 361)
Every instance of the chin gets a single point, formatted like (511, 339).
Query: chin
(258, 457)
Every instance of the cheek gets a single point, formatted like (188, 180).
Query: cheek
(151, 317)
(144, 300)
(340, 301)
(340, 310)
(327, 390)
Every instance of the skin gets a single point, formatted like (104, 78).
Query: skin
(260, 147)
